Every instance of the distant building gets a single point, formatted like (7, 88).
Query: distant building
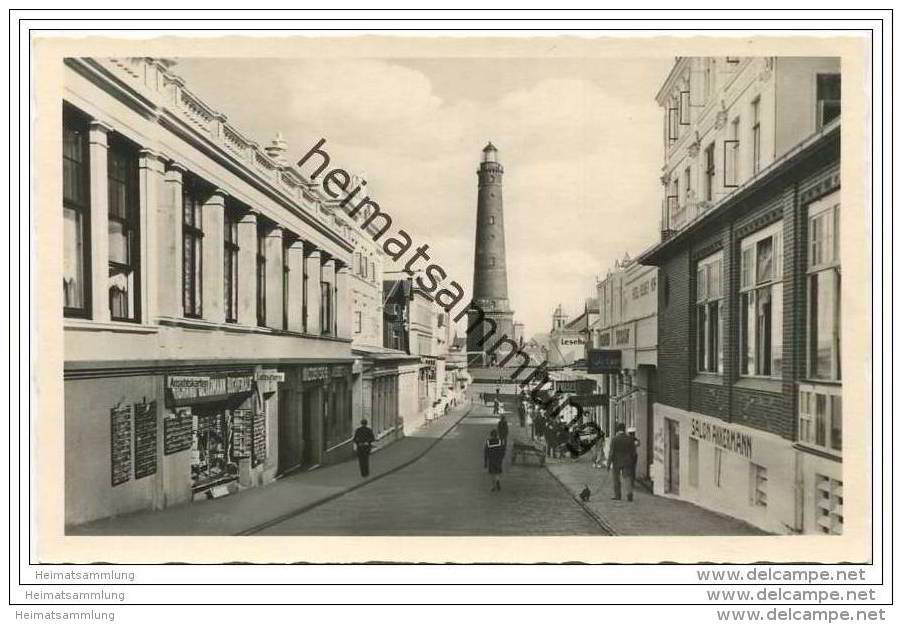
(568, 338)
(748, 416)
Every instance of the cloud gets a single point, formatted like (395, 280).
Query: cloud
(581, 158)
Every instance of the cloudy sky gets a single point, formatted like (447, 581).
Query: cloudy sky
(580, 141)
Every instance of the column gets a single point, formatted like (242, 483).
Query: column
(314, 274)
(100, 241)
(329, 266)
(213, 257)
(343, 303)
(247, 269)
(151, 171)
(273, 251)
(168, 259)
(295, 294)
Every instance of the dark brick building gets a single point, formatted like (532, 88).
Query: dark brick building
(748, 419)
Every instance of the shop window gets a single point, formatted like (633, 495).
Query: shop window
(76, 215)
(824, 290)
(192, 250)
(761, 303)
(828, 98)
(828, 503)
(709, 317)
(230, 266)
(758, 485)
(693, 462)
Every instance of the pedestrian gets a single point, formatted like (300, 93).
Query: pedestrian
(622, 458)
(363, 444)
(563, 438)
(530, 422)
(632, 433)
(599, 462)
(493, 457)
(503, 429)
(496, 407)
(550, 436)
(538, 424)
(521, 412)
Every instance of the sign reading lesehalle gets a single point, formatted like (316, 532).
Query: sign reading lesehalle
(603, 361)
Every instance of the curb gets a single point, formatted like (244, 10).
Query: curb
(591, 512)
(291, 514)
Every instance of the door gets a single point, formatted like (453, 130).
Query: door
(310, 426)
(673, 457)
(289, 432)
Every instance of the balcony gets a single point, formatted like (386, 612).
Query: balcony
(675, 216)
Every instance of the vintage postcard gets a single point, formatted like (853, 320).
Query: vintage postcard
(506, 299)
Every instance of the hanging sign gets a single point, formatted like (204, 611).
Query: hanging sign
(177, 431)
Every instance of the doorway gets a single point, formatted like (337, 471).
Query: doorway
(673, 457)
(310, 435)
(290, 443)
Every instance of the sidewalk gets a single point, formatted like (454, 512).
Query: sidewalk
(647, 514)
(247, 511)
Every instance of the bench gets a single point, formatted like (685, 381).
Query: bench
(524, 452)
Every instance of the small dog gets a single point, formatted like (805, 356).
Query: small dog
(585, 494)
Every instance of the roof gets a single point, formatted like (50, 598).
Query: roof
(374, 352)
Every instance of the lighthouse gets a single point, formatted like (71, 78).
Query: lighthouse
(489, 264)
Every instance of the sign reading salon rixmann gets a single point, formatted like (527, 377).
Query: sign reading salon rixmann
(724, 437)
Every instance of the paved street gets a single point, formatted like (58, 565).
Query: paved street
(447, 492)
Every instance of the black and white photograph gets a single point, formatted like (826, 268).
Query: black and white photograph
(473, 297)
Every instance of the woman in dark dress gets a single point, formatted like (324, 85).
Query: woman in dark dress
(493, 457)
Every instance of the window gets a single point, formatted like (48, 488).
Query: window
(373, 270)
(761, 303)
(824, 289)
(491, 220)
(687, 185)
(709, 313)
(124, 233)
(820, 417)
(709, 78)
(756, 135)
(709, 172)
(261, 275)
(230, 266)
(325, 309)
(358, 321)
(828, 500)
(286, 283)
(192, 251)
(758, 483)
(718, 465)
(304, 279)
(731, 172)
(685, 109)
(828, 98)
(76, 216)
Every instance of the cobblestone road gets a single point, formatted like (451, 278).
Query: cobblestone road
(447, 492)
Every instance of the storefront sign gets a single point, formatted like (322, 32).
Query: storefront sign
(145, 439)
(575, 386)
(271, 376)
(315, 373)
(177, 431)
(120, 444)
(242, 433)
(569, 342)
(340, 371)
(589, 400)
(604, 361)
(186, 390)
(724, 437)
(259, 442)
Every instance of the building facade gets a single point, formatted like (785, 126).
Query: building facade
(568, 338)
(627, 324)
(748, 418)
(206, 323)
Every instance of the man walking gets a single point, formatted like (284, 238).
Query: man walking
(521, 412)
(622, 458)
(363, 444)
(503, 429)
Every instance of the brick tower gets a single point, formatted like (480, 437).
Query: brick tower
(489, 265)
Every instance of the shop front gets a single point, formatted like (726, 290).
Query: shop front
(726, 467)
